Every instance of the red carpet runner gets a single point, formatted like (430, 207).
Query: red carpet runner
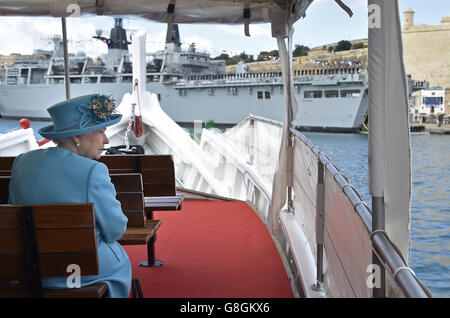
(212, 249)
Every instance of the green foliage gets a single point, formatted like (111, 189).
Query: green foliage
(300, 50)
(232, 60)
(343, 45)
(263, 54)
(209, 124)
(222, 56)
(359, 45)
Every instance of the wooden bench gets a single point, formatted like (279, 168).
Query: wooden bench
(158, 176)
(65, 235)
(4, 189)
(6, 164)
(139, 231)
(130, 194)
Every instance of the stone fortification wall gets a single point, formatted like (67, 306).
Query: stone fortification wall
(427, 52)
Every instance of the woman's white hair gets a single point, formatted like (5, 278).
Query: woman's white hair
(67, 140)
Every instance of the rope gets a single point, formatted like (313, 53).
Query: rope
(137, 93)
(403, 268)
(378, 231)
(127, 143)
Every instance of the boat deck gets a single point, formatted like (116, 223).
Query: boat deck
(212, 249)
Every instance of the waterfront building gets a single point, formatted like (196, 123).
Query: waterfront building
(428, 105)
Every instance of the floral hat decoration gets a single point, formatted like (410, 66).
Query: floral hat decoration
(80, 115)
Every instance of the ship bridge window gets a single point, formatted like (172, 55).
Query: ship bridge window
(313, 94)
(263, 94)
(232, 90)
(351, 93)
(332, 94)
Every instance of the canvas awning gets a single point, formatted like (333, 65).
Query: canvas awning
(184, 11)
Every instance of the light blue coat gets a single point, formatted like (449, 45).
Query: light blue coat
(56, 175)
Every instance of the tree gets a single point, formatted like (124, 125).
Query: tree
(222, 56)
(359, 45)
(440, 119)
(343, 46)
(247, 58)
(300, 50)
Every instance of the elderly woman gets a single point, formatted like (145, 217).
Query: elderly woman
(68, 174)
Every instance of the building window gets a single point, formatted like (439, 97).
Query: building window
(351, 93)
(313, 94)
(267, 94)
(260, 95)
(432, 100)
(331, 94)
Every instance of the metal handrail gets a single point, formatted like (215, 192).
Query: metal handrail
(255, 183)
(381, 243)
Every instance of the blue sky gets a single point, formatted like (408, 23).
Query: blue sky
(325, 23)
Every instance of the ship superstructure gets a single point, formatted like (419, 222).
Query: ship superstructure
(333, 99)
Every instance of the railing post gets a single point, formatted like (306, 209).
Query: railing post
(251, 142)
(66, 58)
(378, 225)
(320, 225)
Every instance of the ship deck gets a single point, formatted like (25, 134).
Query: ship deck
(211, 249)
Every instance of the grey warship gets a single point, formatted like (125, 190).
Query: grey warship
(189, 84)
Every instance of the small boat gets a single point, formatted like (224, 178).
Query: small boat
(327, 240)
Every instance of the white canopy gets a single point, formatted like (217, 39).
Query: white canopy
(184, 11)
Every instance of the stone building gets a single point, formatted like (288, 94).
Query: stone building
(428, 104)
(427, 52)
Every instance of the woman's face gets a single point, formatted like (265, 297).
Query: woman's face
(92, 144)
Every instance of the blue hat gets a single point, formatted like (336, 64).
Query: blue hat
(80, 115)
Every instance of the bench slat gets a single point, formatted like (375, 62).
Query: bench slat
(50, 216)
(4, 189)
(52, 241)
(139, 235)
(158, 174)
(97, 290)
(127, 182)
(158, 189)
(6, 164)
(131, 201)
(12, 267)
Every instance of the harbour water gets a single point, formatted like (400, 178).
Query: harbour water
(430, 207)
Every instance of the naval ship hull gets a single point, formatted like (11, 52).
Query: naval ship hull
(226, 104)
